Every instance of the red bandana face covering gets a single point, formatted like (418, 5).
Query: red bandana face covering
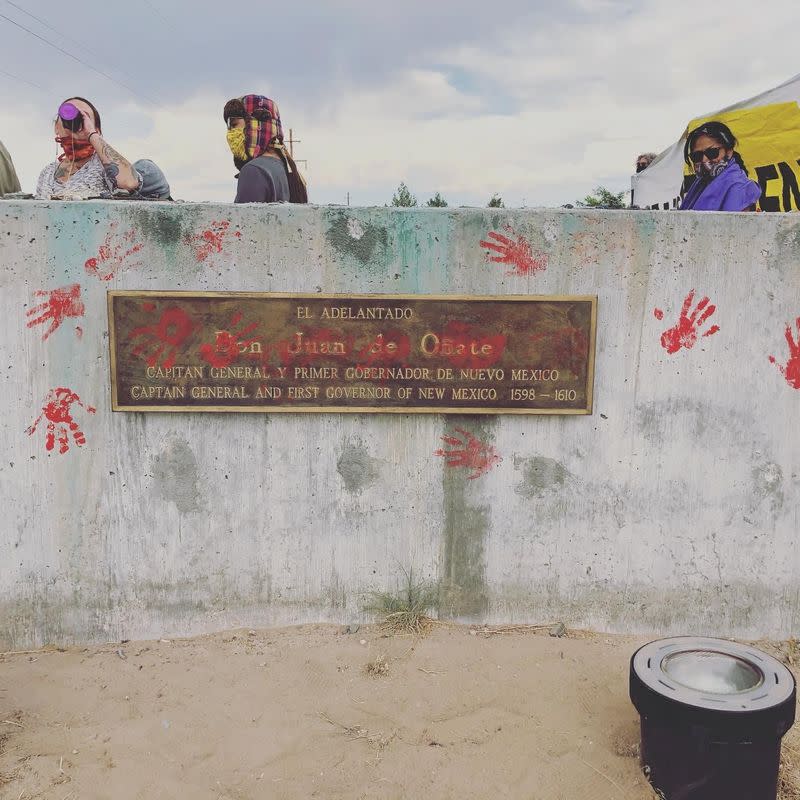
(74, 149)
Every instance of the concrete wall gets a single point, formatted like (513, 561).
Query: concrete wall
(673, 508)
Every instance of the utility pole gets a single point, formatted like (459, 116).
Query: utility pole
(348, 198)
(292, 143)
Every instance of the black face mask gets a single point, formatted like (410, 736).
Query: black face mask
(640, 167)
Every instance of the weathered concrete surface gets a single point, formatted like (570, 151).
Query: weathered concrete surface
(674, 508)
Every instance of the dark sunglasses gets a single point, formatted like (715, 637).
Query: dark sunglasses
(710, 153)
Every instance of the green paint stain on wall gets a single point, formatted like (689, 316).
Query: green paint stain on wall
(570, 223)
(357, 239)
(646, 225)
(166, 226)
(463, 591)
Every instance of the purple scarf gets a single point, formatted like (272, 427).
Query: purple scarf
(731, 190)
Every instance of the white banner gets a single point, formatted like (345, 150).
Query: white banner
(768, 129)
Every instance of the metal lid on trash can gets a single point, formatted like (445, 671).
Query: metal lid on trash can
(713, 682)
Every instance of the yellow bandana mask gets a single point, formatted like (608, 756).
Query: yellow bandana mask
(235, 137)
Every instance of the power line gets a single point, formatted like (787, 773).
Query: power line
(75, 58)
(22, 80)
(62, 35)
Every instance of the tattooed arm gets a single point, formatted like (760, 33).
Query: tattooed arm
(119, 172)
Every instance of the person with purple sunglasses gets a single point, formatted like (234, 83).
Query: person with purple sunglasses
(90, 167)
(721, 182)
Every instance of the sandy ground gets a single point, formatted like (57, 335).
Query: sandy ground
(314, 711)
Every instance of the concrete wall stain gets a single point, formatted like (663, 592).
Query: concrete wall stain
(356, 466)
(175, 473)
(768, 483)
(165, 226)
(699, 421)
(787, 240)
(463, 592)
(540, 474)
(363, 241)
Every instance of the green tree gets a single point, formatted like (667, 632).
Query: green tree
(403, 198)
(603, 198)
(437, 201)
(495, 202)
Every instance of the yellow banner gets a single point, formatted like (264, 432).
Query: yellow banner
(769, 143)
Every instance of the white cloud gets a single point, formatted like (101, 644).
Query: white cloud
(545, 113)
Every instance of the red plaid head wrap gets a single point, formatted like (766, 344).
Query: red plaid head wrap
(262, 122)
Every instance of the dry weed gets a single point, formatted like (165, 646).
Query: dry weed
(406, 611)
(377, 740)
(789, 775)
(625, 747)
(378, 667)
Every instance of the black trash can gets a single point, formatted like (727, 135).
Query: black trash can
(713, 714)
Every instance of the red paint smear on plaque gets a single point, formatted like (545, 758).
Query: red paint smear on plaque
(388, 347)
(57, 410)
(515, 252)
(468, 452)
(567, 347)
(59, 305)
(113, 254)
(461, 345)
(791, 370)
(228, 345)
(158, 343)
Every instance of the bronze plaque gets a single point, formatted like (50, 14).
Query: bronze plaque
(251, 351)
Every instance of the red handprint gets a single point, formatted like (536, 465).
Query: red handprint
(791, 371)
(60, 304)
(470, 453)
(210, 240)
(112, 253)
(516, 253)
(165, 337)
(59, 419)
(684, 334)
(228, 344)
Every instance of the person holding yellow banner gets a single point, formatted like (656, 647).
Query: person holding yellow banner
(721, 183)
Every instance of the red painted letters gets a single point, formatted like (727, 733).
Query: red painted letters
(164, 338)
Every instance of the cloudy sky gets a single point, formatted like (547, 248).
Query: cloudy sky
(537, 101)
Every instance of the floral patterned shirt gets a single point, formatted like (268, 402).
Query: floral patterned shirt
(89, 181)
